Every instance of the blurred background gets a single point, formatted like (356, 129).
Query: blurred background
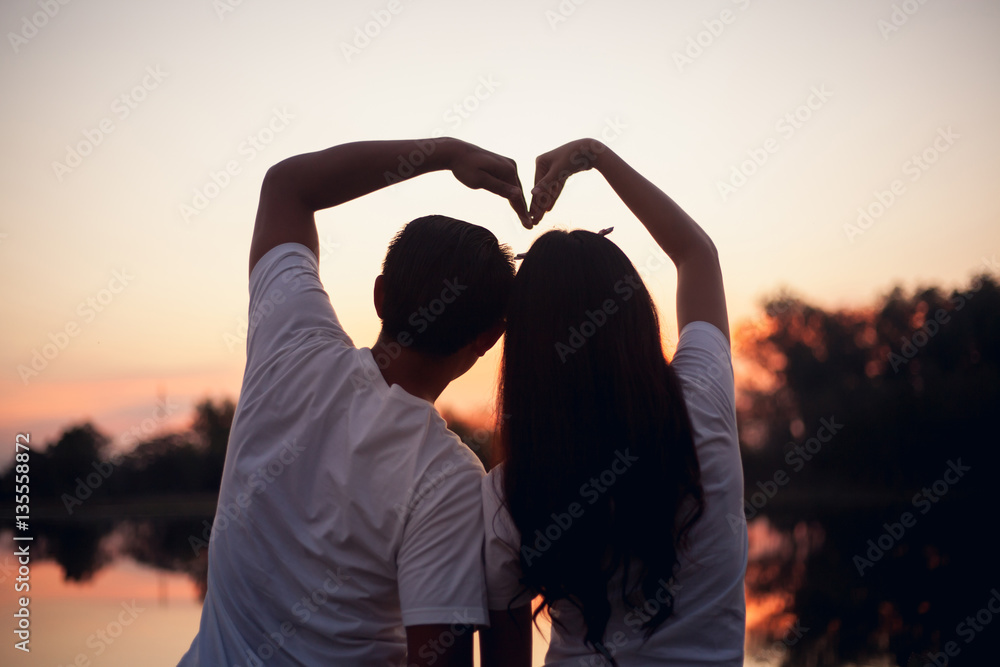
(842, 155)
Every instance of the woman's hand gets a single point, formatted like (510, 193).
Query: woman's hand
(553, 168)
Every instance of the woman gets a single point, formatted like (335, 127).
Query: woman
(618, 502)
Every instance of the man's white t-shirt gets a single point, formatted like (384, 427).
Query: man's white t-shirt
(347, 509)
(709, 618)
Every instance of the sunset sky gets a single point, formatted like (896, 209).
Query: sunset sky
(124, 239)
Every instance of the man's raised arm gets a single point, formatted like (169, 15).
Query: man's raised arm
(296, 188)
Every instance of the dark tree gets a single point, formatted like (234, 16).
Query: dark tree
(902, 489)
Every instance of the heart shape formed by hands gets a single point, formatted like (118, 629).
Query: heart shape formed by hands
(477, 168)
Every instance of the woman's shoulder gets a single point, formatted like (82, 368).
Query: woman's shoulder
(492, 487)
(705, 337)
(703, 363)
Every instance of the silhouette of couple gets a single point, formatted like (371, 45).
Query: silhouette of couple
(385, 542)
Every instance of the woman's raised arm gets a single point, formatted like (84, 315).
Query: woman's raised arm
(700, 292)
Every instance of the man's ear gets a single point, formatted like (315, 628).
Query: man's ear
(379, 295)
(485, 341)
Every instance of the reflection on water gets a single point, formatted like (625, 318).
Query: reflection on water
(131, 613)
(127, 615)
(160, 560)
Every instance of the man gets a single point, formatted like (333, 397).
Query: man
(349, 526)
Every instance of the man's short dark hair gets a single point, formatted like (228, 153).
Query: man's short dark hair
(446, 281)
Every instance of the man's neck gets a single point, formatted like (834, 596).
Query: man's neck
(416, 373)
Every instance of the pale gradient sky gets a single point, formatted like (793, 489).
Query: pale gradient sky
(609, 64)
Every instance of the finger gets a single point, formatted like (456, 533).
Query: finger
(487, 181)
(519, 205)
(512, 193)
(541, 202)
(521, 208)
(543, 197)
(506, 171)
(536, 210)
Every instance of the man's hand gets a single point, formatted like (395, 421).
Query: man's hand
(553, 168)
(477, 168)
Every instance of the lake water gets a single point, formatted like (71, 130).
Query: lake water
(129, 615)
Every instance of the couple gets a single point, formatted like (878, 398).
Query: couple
(360, 531)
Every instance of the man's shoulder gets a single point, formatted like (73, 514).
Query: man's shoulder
(446, 463)
(442, 473)
(294, 253)
(289, 305)
(443, 443)
(414, 430)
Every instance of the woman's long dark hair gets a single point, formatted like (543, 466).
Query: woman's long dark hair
(600, 470)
